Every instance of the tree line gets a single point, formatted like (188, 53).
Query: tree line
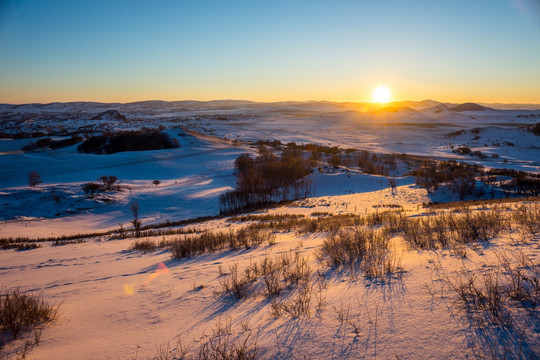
(267, 178)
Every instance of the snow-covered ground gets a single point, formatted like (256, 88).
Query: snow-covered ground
(191, 179)
(112, 306)
(120, 303)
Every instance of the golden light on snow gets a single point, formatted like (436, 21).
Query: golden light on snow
(381, 94)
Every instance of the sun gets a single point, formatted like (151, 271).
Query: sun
(381, 94)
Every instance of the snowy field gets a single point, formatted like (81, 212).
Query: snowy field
(119, 302)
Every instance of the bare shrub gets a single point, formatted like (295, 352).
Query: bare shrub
(108, 182)
(283, 272)
(187, 246)
(224, 344)
(145, 245)
(363, 248)
(478, 226)
(21, 312)
(271, 271)
(442, 230)
(329, 224)
(5, 244)
(345, 318)
(226, 347)
(300, 303)
(523, 278)
(265, 217)
(288, 274)
(527, 218)
(417, 234)
(235, 284)
(91, 189)
(249, 238)
(494, 300)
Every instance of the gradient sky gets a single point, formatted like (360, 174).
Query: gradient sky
(453, 51)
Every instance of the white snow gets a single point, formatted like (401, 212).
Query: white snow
(117, 303)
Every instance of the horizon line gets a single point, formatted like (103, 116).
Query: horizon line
(270, 102)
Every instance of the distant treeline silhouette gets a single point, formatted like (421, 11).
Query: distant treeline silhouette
(128, 141)
(51, 144)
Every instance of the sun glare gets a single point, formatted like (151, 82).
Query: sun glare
(381, 94)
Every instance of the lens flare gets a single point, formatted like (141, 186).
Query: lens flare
(161, 269)
(129, 289)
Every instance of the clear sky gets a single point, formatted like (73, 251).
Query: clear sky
(338, 50)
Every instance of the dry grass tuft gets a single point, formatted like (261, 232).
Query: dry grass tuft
(22, 312)
(366, 249)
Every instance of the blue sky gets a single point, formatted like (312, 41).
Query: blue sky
(476, 50)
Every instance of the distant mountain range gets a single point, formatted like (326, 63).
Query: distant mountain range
(397, 106)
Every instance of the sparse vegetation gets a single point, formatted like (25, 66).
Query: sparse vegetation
(492, 298)
(188, 246)
(22, 312)
(145, 245)
(224, 343)
(363, 248)
(289, 272)
(290, 284)
(18, 244)
(444, 229)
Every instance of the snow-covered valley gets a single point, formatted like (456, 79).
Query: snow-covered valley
(118, 299)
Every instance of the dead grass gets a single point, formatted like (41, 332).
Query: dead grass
(500, 303)
(188, 246)
(22, 312)
(224, 343)
(145, 245)
(366, 249)
(275, 274)
(445, 229)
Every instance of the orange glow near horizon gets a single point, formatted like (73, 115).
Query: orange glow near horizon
(354, 91)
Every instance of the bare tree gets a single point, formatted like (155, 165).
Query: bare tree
(34, 179)
(91, 189)
(156, 182)
(108, 182)
(392, 184)
(134, 207)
